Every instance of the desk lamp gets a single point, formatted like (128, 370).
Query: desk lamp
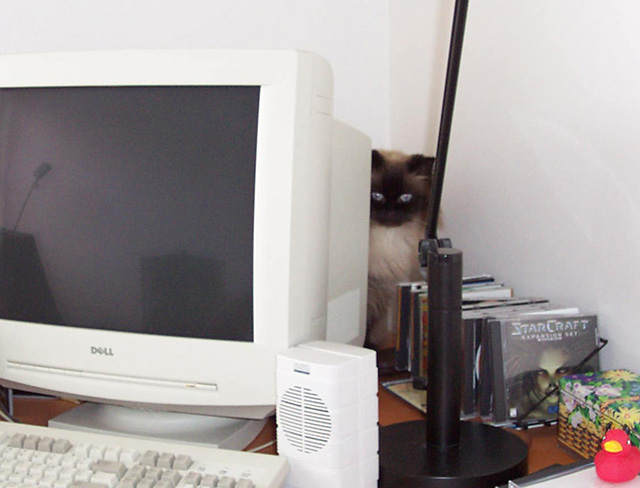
(444, 451)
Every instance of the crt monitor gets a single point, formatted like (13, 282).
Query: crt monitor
(169, 222)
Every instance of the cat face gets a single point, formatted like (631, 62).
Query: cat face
(400, 186)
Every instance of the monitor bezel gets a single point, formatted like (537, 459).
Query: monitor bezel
(291, 223)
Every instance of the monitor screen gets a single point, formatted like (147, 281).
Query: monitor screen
(129, 208)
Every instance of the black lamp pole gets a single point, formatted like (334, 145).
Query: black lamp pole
(446, 116)
(443, 452)
(444, 271)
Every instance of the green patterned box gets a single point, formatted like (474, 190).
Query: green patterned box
(590, 403)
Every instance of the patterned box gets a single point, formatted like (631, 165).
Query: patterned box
(590, 403)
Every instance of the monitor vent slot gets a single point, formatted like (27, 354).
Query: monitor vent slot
(304, 419)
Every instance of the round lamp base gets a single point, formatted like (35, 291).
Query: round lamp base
(486, 457)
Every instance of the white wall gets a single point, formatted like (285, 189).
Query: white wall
(419, 33)
(353, 35)
(543, 178)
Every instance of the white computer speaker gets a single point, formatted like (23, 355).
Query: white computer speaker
(327, 415)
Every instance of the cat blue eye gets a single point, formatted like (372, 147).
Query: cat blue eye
(377, 197)
(405, 198)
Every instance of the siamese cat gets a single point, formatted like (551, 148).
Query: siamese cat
(400, 188)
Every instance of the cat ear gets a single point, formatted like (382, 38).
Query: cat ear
(421, 165)
(377, 161)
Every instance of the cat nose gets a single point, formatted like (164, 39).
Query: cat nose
(391, 217)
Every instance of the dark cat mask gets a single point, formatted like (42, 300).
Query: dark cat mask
(400, 187)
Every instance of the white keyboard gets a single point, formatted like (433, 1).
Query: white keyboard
(44, 457)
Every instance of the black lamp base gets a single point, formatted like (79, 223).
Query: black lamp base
(486, 457)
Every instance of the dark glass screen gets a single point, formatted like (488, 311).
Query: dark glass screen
(129, 208)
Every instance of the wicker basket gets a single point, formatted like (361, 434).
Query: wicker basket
(592, 403)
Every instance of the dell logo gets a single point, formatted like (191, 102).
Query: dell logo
(103, 351)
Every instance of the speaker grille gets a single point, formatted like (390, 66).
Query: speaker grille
(304, 419)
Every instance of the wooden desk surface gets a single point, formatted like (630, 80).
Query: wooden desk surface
(542, 441)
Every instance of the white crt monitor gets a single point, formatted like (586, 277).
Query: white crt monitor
(170, 221)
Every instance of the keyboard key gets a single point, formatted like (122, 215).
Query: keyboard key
(37, 469)
(17, 440)
(31, 442)
(138, 470)
(22, 468)
(25, 455)
(40, 457)
(61, 446)
(209, 481)
(153, 473)
(32, 480)
(16, 478)
(192, 479)
(165, 460)
(52, 471)
(47, 483)
(112, 454)
(84, 476)
(85, 484)
(164, 484)
(54, 459)
(45, 444)
(129, 456)
(129, 482)
(114, 467)
(69, 462)
(10, 453)
(182, 462)
(81, 451)
(227, 482)
(85, 463)
(108, 479)
(97, 452)
(147, 483)
(173, 476)
(7, 465)
(150, 458)
(68, 474)
(245, 483)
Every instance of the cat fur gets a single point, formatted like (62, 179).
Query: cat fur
(394, 240)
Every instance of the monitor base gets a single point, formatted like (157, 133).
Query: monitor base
(201, 430)
(486, 457)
